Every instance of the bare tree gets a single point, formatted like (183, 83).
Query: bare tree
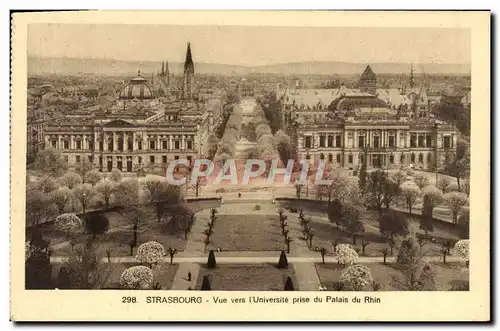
(421, 181)
(70, 180)
(84, 194)
(51, 161)
(198, 184)
(398, 177)
(456, 201)
(444, 184)
(86, 268)
(61, 197)
(116, 176)
(410, 258)
(39, 206)
(375, 188)
(83, 168)
(162, 196)
(128, 196)
(93, 177)
(410, 195)
(106, 189)
(46, 184)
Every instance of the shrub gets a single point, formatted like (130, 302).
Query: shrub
(205, 284)
(138, 277)
(150, 252)
(68, 222)
(289, 284)
(283, 261)
(375, 286)
(96, 223)
(462, 249)
(63, 278)
(463, 224)
(211, 263)
(346, 255)
(460, 287)
(427, 278)
(338, 286)
(357, 276)
(409, 251)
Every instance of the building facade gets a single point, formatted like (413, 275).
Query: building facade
(139, 131)
(391, 129)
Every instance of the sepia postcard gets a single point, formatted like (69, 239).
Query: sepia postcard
(250, 166)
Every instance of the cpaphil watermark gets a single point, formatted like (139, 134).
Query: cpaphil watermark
(238, 172)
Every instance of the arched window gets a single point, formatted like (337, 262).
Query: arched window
(402, 159)
(420, 158)
(322, 156)
(412, 158)
(330, 158)
(429, 158)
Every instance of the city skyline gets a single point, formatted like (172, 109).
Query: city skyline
(261, 46)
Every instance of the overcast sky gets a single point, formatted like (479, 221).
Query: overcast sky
(247, 45)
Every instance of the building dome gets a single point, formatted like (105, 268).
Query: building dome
(137, 88)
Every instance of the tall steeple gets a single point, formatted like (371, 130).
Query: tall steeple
(188, 74)
(188, 64)
(412, 79)
(167, 73)
(162, 68)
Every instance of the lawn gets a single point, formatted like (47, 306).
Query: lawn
(164, 274)
(196, 206)
(325, 232)
(252, 277)
(447, 275)
(247, 233)
(118, 240)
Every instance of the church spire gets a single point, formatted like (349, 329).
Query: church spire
(188, 74)
(162, 68)
(188, 64)
(412, 79)
(167, 73)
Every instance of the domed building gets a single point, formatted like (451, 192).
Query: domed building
(381, 128)
(136, 88)
(136, 130)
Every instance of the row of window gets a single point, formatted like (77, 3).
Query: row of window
(350, 158)
(121, 145)
(152, 159)
(421, 141)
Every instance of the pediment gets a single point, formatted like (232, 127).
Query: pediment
(119, 123)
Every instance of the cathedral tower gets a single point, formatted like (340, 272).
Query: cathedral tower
(167, 73)
(412, 79)
(188, 75)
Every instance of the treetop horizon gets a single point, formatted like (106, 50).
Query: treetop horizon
(216, 172)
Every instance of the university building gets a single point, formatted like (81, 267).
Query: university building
(140, 130)
(392, 128)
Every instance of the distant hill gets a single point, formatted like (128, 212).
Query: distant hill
(117, 67)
